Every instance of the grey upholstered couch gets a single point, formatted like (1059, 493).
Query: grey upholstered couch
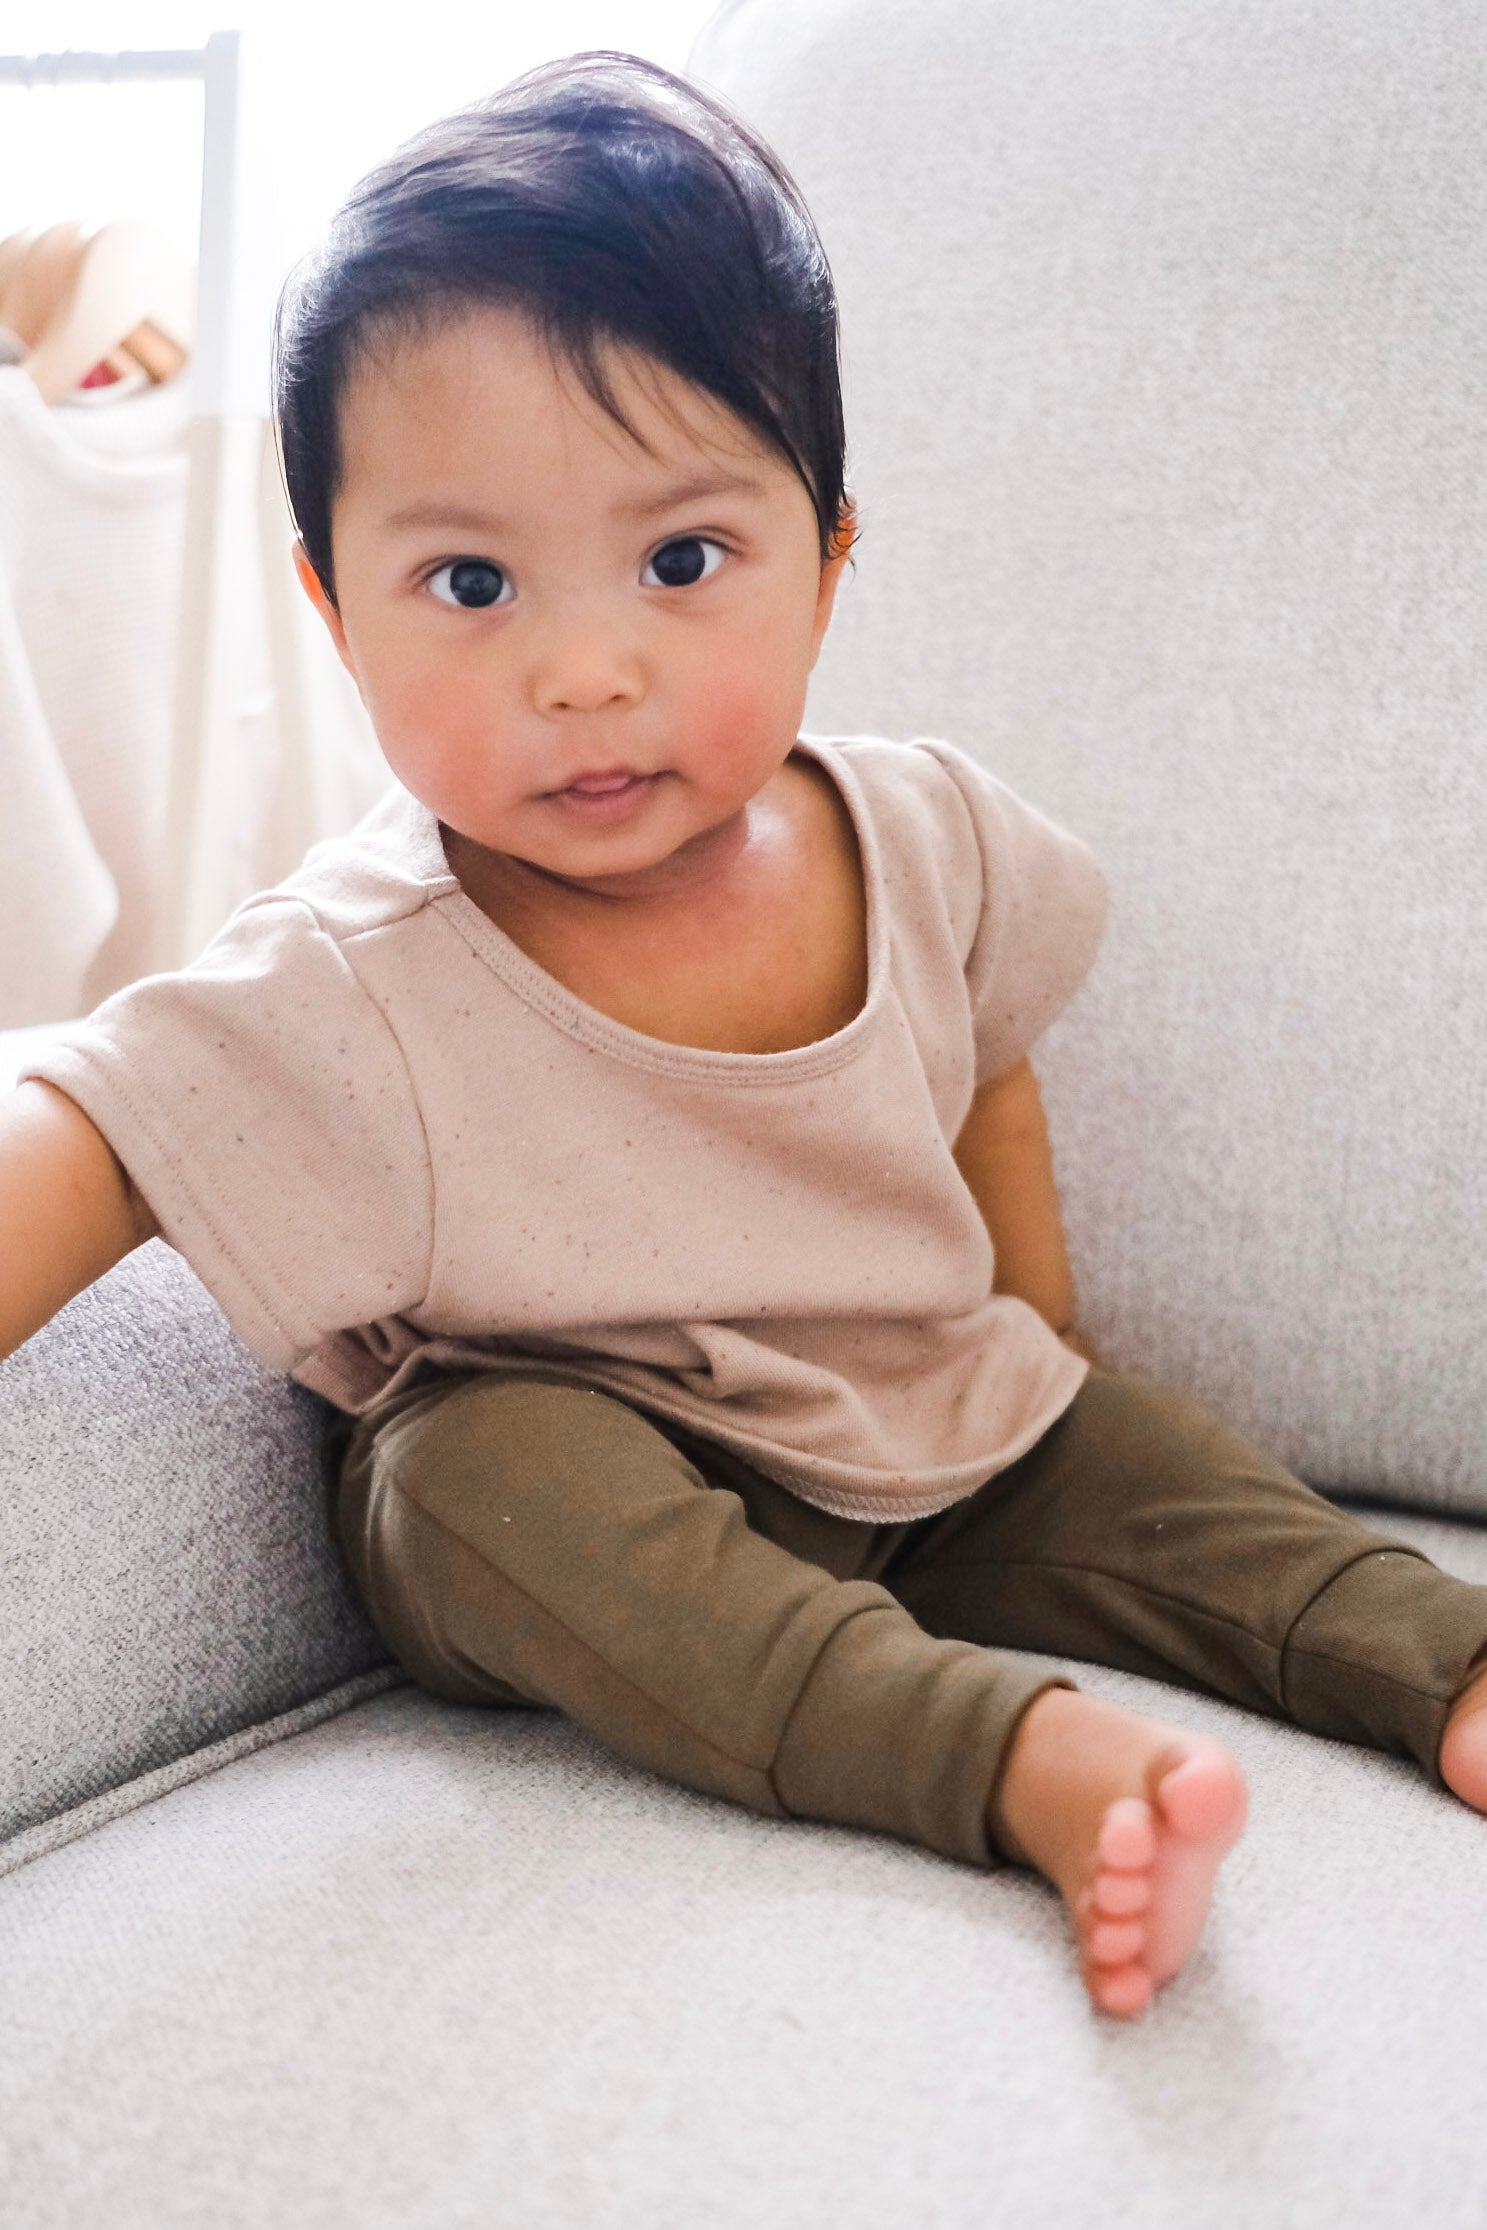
(1166, 352)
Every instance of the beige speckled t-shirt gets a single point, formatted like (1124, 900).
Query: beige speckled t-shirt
(386, 1140)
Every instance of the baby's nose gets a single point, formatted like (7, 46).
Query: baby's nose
(586, 670)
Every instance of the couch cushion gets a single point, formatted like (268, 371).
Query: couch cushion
(427, 1965)
(169, 1580)
(1165, 390)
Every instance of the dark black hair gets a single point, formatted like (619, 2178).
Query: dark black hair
(610, 202)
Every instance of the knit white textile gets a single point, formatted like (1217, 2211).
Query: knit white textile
(93, 494)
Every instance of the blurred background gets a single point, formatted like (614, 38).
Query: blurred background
(175, 728)
(347, 86)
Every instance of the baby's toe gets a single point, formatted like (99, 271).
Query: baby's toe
(1203, 1798)
(1128, 1835)
(1114, 1943)
(1121, 1990)
(1117, 1896)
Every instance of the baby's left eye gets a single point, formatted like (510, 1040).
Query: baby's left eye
(684, 561)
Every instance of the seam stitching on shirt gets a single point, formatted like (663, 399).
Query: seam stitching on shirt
(995, 918)
(428, 1157)
(209, 1208)
(694, 1063)
(207, 1202)
(337, 945)
(705, 1066)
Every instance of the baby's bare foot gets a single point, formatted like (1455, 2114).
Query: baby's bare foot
(1463, 1754)
(1130, 1819)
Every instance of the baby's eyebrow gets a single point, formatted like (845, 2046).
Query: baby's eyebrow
(443, 515)
(691, 491)
(435, 514)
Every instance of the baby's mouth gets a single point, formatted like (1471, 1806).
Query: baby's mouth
(600, 785)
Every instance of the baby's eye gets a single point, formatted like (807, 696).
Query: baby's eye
(682, 562)
(473, 583)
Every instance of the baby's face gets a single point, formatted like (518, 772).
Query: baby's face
(526, 597)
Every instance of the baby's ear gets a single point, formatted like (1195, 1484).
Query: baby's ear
(308, 577)
(831, 574)
(846, 528)
(313, 587)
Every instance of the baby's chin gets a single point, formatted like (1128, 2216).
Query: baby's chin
(698, 864)
(625, 862)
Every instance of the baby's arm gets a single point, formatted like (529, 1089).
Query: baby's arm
(1003, 1153)
(68, 1209)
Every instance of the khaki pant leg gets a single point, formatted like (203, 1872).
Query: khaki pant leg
(515, 1539)
(1143, 1532)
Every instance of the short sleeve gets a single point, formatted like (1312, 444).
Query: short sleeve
(261, 1103)
(1043, 911)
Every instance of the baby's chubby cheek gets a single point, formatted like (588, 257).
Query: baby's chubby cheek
(444, 752)
(727, 723)
(741, 724)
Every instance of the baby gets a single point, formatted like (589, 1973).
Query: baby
(629, 1127)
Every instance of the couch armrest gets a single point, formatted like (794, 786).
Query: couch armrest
(169, 1575)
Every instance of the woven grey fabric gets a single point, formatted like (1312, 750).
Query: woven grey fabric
(167, 1573)
(1165, 387)
(427, 1968)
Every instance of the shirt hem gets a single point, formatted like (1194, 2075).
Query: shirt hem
(849, 1492)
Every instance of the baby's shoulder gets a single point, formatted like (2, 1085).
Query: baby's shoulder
(957, 836)
(915, 792)
(385, 869)
(916, 776)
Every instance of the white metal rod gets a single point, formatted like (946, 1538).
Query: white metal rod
(192, 908)
(224, 436)
(99, 69)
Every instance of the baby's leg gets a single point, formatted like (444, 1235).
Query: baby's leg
(517, 1539)
(1145, 1533)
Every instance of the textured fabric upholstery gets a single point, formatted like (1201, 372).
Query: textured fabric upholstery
(168, 1578)
(1165, 390)
(437, 1968)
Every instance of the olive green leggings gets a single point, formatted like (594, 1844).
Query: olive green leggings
(518, 1540)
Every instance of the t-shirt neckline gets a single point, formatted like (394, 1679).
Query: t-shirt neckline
(601, 1031)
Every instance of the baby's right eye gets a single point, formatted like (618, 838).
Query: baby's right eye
(474, 583)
